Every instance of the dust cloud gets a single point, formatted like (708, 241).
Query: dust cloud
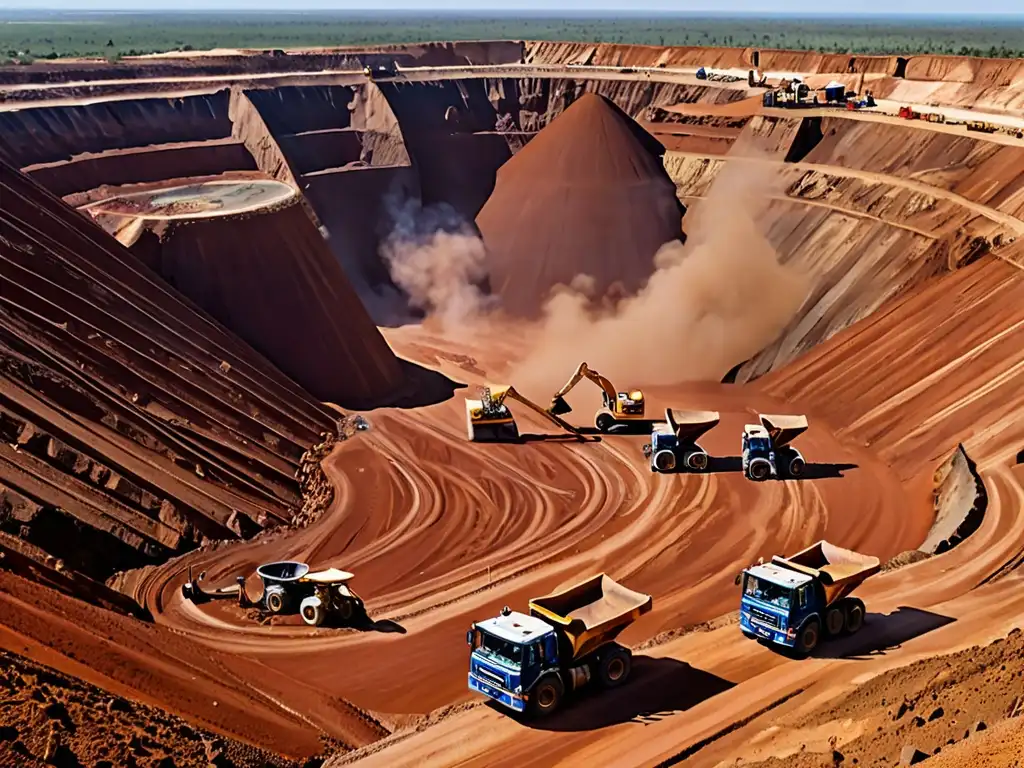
(437, 259)
(710, 304)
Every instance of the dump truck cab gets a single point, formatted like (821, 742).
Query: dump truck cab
(794, 602)
(528, 662)
(758, 453)
(775, 602)
(510, 653)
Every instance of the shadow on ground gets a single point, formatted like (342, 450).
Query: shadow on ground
(424, 386)
(882, 633)
(656, 689)
(642, 427)
(728, 464)
(556, 438)
(385, 626)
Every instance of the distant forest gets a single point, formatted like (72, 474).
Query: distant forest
(31, 35)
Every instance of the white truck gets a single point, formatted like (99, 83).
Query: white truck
(766, 447)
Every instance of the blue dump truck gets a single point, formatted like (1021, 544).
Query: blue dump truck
(766, 450)
(796, 601)
(674, 447)
(529, 662)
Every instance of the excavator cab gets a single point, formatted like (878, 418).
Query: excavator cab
(629, 403)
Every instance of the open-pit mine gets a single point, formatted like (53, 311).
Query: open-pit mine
(260, 310)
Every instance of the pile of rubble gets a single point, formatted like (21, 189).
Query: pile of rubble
(317, 491)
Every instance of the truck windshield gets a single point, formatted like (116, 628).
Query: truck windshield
(759, 444)
(502, 650)
(768, 592)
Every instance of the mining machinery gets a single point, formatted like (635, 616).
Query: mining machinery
(489, 418)
(618, 408)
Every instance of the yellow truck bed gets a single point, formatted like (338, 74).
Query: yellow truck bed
(690, 425)
(593, 612)
(783, 429)
(839, 570)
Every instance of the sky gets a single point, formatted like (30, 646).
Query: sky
(754, 7)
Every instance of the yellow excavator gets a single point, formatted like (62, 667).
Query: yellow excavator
(489, 419)
(618, 407)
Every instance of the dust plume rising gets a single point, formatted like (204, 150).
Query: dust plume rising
(437, 259)
(709, 305)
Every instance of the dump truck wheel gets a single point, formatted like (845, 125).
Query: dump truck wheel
(758, 470)
(698, 462)
(546, 696)
(854, 616)
(615, 667)
(796, 468)
(276, 602)
(604, 422)
(346, 609)
(313, 614)
(664, 461)
(808, 638)
(835, 620)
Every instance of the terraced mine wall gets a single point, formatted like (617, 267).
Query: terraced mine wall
(51, 134)
(436, 54)
(133, 424)
(357, 208)
(143, 165)
(269, 277)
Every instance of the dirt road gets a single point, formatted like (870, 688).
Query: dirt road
(434, 550)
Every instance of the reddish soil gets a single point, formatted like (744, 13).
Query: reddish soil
(53, 719)
(138, 422)
(269, 276)
(589, 196)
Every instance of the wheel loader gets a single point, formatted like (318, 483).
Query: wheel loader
(490, 420)
(618, 408)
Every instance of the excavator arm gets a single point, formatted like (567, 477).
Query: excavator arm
(559, 405)
(500, 395)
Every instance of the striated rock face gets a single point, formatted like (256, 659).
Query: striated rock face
(267, 274)
(132, 425)
(588, 195)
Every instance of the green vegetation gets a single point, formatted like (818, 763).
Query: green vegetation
(47, 35)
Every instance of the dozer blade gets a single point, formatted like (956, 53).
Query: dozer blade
(559, 407)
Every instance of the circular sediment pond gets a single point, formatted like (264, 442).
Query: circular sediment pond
(196, 201)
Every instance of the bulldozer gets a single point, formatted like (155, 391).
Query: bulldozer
(490, 420)
(618, 408)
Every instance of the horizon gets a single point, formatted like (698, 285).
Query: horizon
(866, 10)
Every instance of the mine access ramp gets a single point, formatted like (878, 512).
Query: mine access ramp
(794, 601)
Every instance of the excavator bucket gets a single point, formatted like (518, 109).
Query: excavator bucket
(559, 406)
(690, 425)
(783, 429)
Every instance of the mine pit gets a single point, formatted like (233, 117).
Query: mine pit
(203, 282)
